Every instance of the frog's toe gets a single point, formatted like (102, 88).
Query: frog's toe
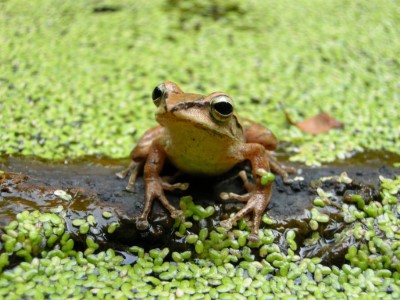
(133, 167)
(291, 170)
(226, 224)
(240, 198)
(170, 187)
(122, 174)
(224, 196)
(130, 188)
(142, 224)
(178, 214)
(253, 238)
(287, 180)
(183, 186)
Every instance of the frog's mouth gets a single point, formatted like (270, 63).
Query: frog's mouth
(181, 120)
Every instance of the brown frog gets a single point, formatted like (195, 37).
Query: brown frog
(202, 135)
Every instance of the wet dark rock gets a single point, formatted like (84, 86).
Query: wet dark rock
(29, 184)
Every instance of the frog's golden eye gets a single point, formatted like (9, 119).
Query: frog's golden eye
(158, 93)
(221, 108)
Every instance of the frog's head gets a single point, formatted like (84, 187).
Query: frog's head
(214, 112)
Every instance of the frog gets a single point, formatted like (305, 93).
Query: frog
(203, 136)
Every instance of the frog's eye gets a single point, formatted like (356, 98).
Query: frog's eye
(158, 94)
(221, 108)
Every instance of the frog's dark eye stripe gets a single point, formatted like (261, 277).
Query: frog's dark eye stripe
(187, 105)
(221, 108)
(158, 93)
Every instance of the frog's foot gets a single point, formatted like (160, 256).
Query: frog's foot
(168, 186)
(178, 214)
(290, 170)
(280, 169)
(249, 186)
(256, 203)
(171, 178)
(285, 173)
(122, 174)
(173, 186)
(142, 222)
(155, 188)
(134, 168)
(240, 198)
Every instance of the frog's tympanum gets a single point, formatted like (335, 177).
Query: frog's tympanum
(202, 135)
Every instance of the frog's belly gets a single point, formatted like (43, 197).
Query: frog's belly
(201, 156)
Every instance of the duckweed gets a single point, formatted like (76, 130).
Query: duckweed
(112, 227)
(78, 222)
(266, 177)
(63, 195)
(106, 214)
(193, 210)
(211, 267)
(84, 228)
(321, 64)
(319, 217)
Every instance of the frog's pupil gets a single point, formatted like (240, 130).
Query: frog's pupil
(157, 93)
(223, 108)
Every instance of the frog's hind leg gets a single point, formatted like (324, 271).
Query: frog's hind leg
(280, 169)
(248, 185)
(168, 179)
(134, 173)
(122, 174)
(134, 168)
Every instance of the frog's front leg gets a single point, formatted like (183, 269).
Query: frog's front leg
(155, 186)
(258, 195)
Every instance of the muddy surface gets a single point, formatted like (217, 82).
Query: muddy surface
(29, 184)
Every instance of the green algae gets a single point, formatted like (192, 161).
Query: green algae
(76, 78)
(224, 269)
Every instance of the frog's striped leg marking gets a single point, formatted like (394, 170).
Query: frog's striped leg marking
(258, 197)
(155, 186)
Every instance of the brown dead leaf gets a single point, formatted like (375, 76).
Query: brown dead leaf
(317, 124)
